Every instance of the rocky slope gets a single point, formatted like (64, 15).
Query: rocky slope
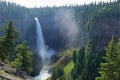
(11, 74)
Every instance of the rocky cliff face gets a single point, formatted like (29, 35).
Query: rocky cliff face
(102, 32)
(37, 65)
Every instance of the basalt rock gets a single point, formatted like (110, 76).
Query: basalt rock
(37, 65)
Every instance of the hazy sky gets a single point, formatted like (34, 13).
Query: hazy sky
(42, 3)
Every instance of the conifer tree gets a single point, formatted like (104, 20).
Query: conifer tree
(54, 75)
(7, 41)
(74, 56)
(108, 68)
(23, 60)
(117, 62)
(58, 73)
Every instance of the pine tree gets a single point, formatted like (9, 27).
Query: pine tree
(85, 67)
(81, 56)
(54, 75)
(23, 60)
(78, 63)
(117, 62)
(7, 41)
(58, 73)
(74, 56)
(108, 68)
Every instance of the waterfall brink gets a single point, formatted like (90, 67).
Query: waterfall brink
(40, 41)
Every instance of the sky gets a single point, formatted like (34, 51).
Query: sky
(44, 3)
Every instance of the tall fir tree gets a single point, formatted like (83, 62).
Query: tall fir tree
(7, 41)
(23, 60)
(74, 56)
(108, 68)
(117, 61)
(58, 73)
(85, 67)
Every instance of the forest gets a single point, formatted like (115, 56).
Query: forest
(85, 39)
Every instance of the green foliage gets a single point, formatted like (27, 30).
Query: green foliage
(12, 11)
(23, 58)
(54, 77)
(85, 67)
(58, 73)
(118, 60)
(85, 61)
(68, 69)
(78, 65)
(74, 74)
(109, 69)
(7, 41)
(74, 56)
(80, 56)
(66, 61)
(20, 56)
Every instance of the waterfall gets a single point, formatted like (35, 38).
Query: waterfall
(41, 51)
(40, 41)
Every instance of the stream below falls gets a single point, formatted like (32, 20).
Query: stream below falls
(44, 75)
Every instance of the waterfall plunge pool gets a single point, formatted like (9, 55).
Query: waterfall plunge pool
(44, 75)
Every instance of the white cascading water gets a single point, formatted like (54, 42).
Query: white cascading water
(40, 41)
(41, 51)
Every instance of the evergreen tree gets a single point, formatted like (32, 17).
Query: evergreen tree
(86, 65)
(108, 68)
(53, 75)
(23, 58)
(58, 73)
(81, 56)
(74, 57)
(78, 64)
(7, 41)
(118, 61)
(73, 74)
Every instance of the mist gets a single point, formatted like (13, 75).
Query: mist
(65, 20)
(68, 27)
(49, 53)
